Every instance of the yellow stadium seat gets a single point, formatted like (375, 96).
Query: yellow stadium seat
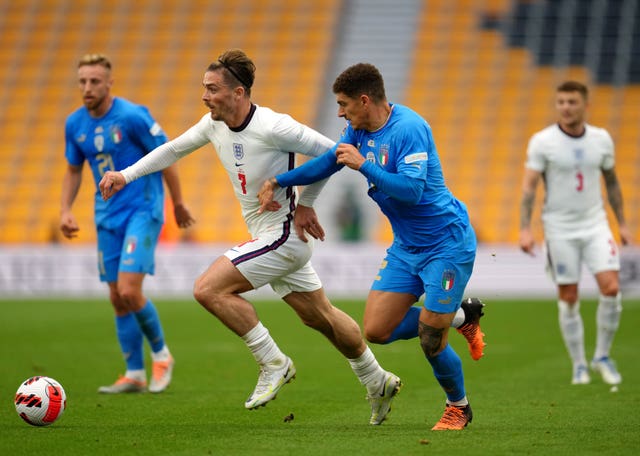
(159, 55)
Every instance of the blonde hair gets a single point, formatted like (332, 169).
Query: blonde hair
(95, 59)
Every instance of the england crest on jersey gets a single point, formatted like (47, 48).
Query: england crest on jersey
(238, 151)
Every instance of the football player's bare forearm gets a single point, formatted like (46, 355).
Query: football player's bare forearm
(614, 195)
(70, 188)
(615, 200)
(526, 209)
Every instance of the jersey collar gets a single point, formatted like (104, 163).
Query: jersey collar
(244, 124)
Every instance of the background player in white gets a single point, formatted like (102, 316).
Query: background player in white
(253, 143)
(569, 158)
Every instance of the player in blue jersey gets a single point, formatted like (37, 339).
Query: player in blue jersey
(111, 133)
(434, 244)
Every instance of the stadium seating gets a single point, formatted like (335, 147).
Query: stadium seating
(474, 77)
(485, 98)
(159, 52)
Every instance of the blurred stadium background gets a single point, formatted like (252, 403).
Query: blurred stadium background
(482, 72)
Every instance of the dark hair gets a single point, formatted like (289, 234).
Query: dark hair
(359, 79)
(574, 86)
(239, 68)
(95, 59)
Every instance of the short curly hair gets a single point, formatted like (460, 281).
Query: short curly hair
(361, 79)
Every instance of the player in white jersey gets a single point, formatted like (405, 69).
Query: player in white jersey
(253, 143)
(569, 157)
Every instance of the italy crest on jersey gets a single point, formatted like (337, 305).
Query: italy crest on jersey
(131, 244)
(116, 134)
(383, 155)
(448, 278)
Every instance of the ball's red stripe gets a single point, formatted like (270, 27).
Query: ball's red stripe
(55, 404)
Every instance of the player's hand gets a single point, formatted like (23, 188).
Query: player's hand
(183, 216)
(111, 183)
(625, 235)
(350, 156)
(527, 243)
(305, 219)
(69, 225)
(265, 196)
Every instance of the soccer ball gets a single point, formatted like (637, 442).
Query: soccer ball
(40, 401)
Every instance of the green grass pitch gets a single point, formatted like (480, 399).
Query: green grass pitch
(520, 391)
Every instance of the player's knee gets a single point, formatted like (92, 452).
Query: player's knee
(201, 291)
(430, 347)
(208, 297)
(610, 289)
(376, 335)
(432, 340)
(119, 306)
(570, 297)
(130, 296)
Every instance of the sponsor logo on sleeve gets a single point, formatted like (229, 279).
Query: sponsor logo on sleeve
(155, 129)
(418, 156)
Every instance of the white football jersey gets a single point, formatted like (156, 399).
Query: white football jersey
(264, 147)
(571, 168)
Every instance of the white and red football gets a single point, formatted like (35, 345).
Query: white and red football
(40, 401)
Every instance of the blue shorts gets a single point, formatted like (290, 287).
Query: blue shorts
(130, 248)
(441, 277)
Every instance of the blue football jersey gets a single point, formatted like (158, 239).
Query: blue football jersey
(112, 142)
(405, 146)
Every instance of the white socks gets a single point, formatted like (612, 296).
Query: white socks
(136, 374)
(265, 350)
(368, 370)
(461, 403)
(572, 331)
(162, 355)
(262, 346)
(607, 320)
(458, 319)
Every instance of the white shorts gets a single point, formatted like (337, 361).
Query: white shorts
(598, 252)
(279, 258)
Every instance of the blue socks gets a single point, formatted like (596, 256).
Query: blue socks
(408, 327)
(150, 325)
(447, 369)
(130, 338)
(447, 366)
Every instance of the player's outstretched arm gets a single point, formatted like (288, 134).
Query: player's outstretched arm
(111, 183)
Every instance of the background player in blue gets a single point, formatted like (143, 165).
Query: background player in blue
(434, 244)
(111, 133)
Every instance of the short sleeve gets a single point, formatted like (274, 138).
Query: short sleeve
(535, 154)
